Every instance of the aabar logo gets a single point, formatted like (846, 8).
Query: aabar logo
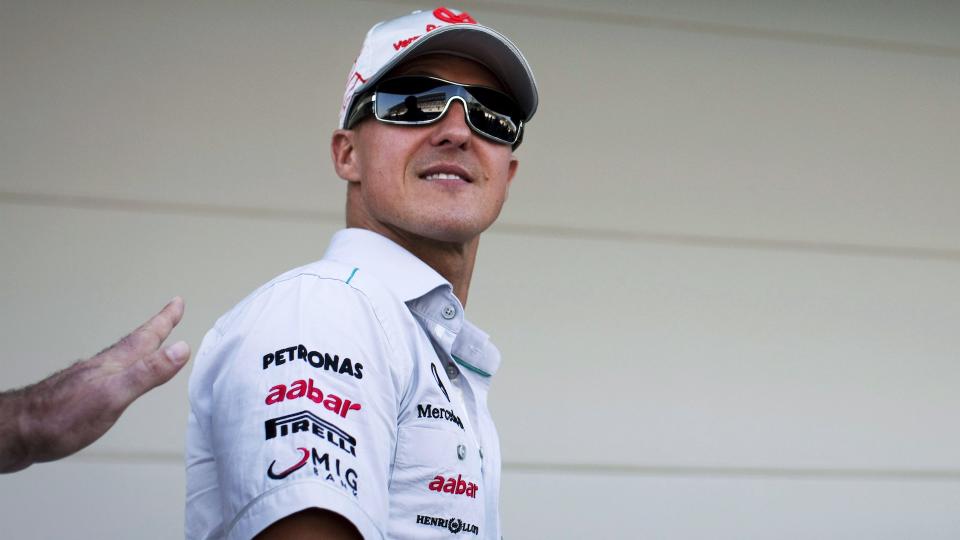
(301, 388)
(314, 358)
(454, 525)
(307, 422)
(453, 486)
(325, 467)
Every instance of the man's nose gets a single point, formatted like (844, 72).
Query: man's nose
(452, 128)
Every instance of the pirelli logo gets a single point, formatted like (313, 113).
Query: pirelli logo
(306, 421)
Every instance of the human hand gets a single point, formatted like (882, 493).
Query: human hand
(72, 408)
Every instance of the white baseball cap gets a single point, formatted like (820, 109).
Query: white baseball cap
(445, 31)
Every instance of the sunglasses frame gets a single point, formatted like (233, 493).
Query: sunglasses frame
(366, 105)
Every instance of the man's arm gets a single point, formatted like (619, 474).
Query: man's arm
(74, 407)
(311, 524)
(294, 403)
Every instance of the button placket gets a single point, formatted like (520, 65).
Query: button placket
(458, 398)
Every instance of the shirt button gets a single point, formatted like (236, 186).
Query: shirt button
(449, 312)
(461, 451)
(452, 371)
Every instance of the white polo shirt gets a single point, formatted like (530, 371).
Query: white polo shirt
(352, 384)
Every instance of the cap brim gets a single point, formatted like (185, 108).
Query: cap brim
(479, 43)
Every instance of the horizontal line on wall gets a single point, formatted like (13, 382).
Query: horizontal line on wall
(765, 244)
(545, 231)
(166, 207)
(735, 472)
(701, 27)
(103, 456)
(135, 456)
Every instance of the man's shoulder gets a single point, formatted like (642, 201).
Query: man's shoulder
(324, 306)
(294, 283)
(318, 277)
(321, 287)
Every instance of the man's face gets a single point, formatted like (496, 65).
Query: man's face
(440, 181)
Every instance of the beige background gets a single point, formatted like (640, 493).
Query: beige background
(726, 285)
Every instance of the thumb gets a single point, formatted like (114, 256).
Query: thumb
(177, 354)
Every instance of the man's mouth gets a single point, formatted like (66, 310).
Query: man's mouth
(448, 173)
(444, 176)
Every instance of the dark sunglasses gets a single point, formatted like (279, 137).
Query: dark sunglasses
(419, 100)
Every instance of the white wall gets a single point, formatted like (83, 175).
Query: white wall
(726, 285)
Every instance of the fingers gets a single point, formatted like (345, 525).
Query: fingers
(148, 337)
(161, 366)
(178, 352)
(154, 366)
(70, 410)
(145, 364)
(75, 406)
(159, 327)
(151, 371)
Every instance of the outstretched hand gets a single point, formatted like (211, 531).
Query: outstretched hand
(74, 407)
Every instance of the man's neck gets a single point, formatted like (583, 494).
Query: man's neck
(452, 260)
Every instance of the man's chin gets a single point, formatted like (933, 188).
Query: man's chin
(452, 231)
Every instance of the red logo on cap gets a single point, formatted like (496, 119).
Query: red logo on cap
(351, 84)
(448, 16)
(442, 14)
(403, 43)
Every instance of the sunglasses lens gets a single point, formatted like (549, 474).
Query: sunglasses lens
(410, 99)
(494, 114)
(417, 100)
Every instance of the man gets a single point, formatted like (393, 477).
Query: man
(72, 408)
(347, 398)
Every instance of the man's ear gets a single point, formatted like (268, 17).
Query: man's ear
(512, 169)
(344, 155)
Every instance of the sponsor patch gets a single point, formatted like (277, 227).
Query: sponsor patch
(307, 388)
(319, 360)
(307, 422)
(436, 377)
(429, 411)
(323, 466)
(452, 524)
(453, 486)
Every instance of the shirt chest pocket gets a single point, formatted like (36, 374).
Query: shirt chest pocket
(438, 468)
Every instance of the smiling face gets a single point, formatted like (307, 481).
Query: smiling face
(439, 182)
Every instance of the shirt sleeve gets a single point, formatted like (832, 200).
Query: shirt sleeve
(298, 405)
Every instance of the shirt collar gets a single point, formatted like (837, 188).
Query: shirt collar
(427, 294)
(473, 350)
(401, 271)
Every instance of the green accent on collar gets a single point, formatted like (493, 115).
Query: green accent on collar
(474, 369)
(351, 275)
